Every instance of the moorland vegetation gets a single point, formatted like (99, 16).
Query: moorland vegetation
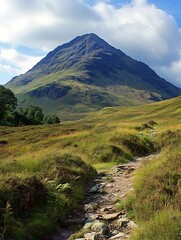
(44, 169)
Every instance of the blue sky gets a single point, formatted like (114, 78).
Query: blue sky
(172, 7)
(147, 30)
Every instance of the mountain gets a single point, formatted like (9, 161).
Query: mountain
(87, 74)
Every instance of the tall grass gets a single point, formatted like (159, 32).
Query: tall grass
(34, 156)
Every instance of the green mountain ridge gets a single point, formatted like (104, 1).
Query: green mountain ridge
(88, 74)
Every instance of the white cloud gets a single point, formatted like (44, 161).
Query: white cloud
(142, 30)
(13, 63)
(138, 28)
(172, 73)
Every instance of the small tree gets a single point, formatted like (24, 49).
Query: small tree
(8, 102)
(51, 119)
(34, 114)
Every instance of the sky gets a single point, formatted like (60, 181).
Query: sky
(146, 30)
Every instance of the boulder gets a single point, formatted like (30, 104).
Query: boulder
(132, 225)
(91, 207)
(111, 216)
(99, 227)
(96, 189)
(118, 236)
(92, 236)
(123, 222)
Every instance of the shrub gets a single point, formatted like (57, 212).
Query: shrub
(23, 196)
(107, 153)
(139, 145)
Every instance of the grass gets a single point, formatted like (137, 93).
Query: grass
(80, 99)
(58, 161)
(164, 226)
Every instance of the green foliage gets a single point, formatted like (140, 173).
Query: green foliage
(34, 114)
(50, 119)
(44, 198)
(8, 102)
(8, 215)
(22, 196)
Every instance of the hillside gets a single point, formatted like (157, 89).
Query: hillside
(44, 169)
(88, 74)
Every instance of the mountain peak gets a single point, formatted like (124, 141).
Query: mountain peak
(86, 74)
(87, 42)
(92, 37)
(83, 47)
(87, 38)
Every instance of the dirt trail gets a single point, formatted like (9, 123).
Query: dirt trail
(101, 219)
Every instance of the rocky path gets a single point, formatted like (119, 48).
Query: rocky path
(101, 218)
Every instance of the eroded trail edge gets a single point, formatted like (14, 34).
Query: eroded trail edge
(102, 219)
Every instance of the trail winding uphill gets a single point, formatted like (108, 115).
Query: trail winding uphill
(102, 220)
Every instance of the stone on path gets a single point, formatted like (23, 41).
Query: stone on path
(90, 217)
(99, 227)
(92, 236)
(123, 222)
(111, 216)
(91, 207)
(98, 188)
(118, 236)
(132, 225)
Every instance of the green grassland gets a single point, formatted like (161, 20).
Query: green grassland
(83, 96)
(44, 169)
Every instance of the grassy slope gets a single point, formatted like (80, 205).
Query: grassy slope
(100, 140)
(82, 98)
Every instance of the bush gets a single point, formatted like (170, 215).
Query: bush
(139, 145)
(71, 169)
(107, 153)
(50, 119)
(23, 196)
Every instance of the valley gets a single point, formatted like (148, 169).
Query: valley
(44, 170)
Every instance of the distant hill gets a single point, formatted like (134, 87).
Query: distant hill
(87, 74)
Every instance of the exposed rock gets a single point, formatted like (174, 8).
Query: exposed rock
(117, 236)
(109, 185)
(88, 225)
(111, 216)
(132, 225)
(90, 207)
(92, 236)
(103, 207)
(96, 189)
(130, 170)
(90, 217)
(99, 227)
(115, 232)
(106, 209)
(123, 222)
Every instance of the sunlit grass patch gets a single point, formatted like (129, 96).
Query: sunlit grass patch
(165, 225)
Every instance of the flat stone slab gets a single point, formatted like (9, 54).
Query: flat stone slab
(117, 236)
(111, 216)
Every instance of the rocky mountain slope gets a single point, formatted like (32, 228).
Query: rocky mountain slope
(87, 74)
